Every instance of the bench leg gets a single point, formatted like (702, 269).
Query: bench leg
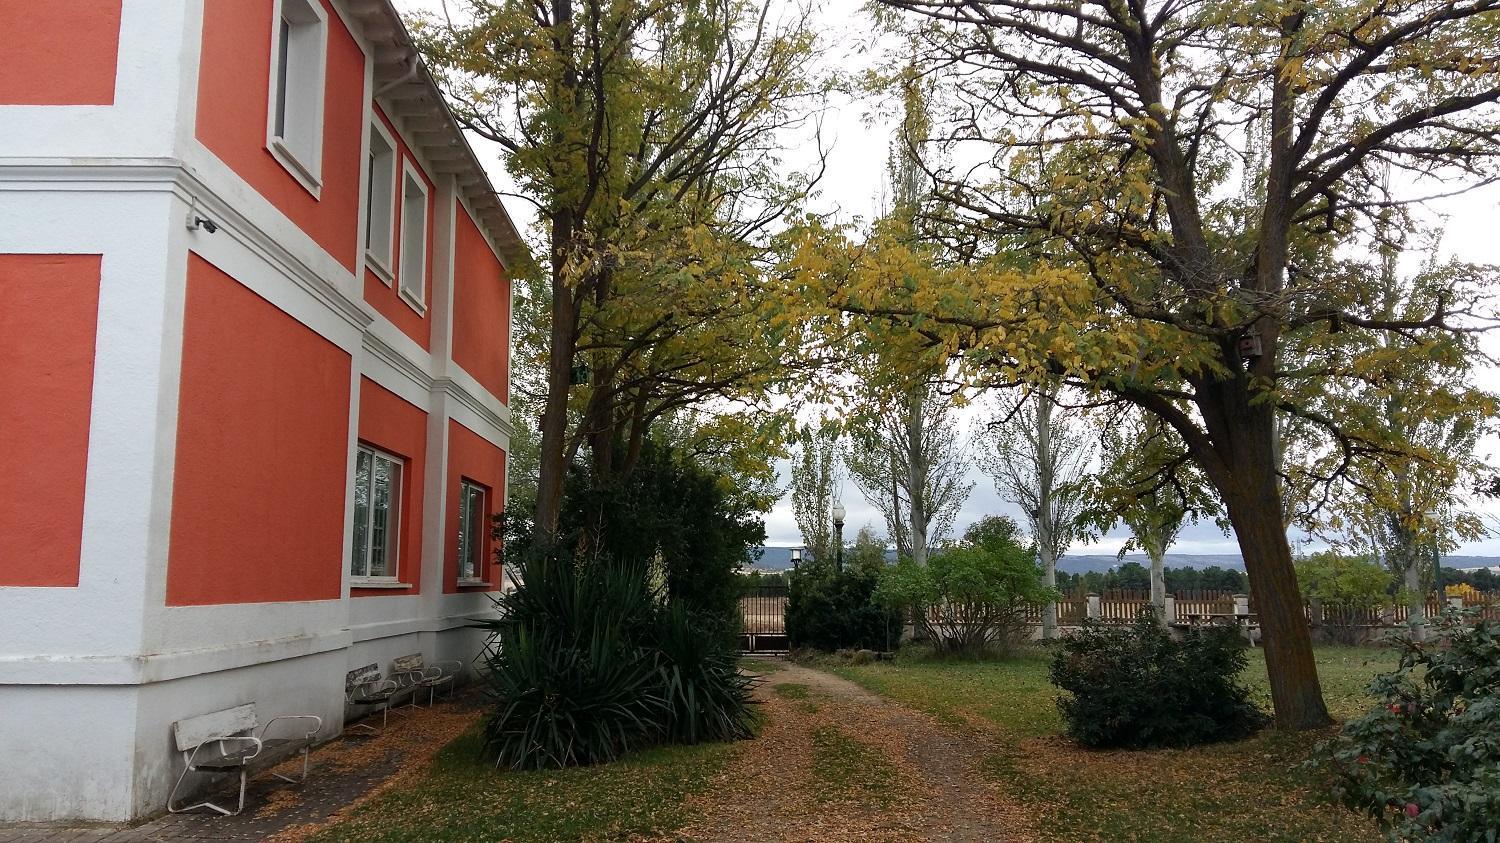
(385, 713)
(305, 751)
(182, 809)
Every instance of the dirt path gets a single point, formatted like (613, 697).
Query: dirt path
(835, 762)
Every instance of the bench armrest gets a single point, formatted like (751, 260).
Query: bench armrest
(316, 721)
(364, 689)
(442, 670)
(221, 740)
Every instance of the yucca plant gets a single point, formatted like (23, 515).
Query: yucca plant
(562, 705)
(573, 680)
(706, 696)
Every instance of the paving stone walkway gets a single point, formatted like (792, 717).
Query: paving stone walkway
(344, 773)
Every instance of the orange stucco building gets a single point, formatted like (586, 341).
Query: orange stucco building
(255, 318)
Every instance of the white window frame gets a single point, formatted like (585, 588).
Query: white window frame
(301, 156)
(414, 294)
(393, 522)
(380, 260)
(466, 554)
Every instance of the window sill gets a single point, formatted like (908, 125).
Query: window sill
(292, 164)
(377, 266)
(474, 583)
(388, 584)
(413, 302)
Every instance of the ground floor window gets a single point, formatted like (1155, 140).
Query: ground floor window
(471, 518)
(377, 503)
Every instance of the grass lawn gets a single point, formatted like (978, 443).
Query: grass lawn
(463, 798)
(1250, 790)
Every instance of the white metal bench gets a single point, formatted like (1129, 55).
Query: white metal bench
(227, 742)
(416, 674)
(366, 689)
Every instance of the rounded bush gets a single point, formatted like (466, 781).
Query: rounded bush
(1138, 687)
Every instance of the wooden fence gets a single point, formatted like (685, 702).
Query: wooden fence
(1200, 606)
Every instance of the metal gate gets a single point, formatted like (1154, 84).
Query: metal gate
(763, 619)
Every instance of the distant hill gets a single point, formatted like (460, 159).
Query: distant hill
(780, 559)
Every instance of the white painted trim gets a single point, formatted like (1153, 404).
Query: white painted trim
(378, 582)
(73, 669)
(486, 415)
(392, 628)
(307, 173)
(189, 184)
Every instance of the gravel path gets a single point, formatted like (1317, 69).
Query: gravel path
(775, 789)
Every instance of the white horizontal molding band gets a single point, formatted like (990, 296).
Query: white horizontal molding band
(162, 667)
(155, 175)
(178, 664)
(408, 626)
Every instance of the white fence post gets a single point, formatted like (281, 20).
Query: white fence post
(1169, 610)
(1456, 602)
(1094, 606)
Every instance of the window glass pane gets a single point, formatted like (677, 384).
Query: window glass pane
(471, 546)
(380, 519)
(370, 196)
(360, 556)
(413, 237)
(283, 51)
(463, 530)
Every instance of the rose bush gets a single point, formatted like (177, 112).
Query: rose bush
(1425, 762)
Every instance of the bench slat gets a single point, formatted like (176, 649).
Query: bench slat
(231, 721)
(361, 675)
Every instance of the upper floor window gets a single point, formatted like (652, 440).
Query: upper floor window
(413, 238)
(471, 518)
(377, 510)
(295, 123)
(380, 200)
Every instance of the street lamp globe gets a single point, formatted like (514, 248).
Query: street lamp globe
(838, 535)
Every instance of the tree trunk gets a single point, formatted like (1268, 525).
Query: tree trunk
(1255, 512)
(1049, 578)
(1416, 606)
(1158, 583)
(917, 480)
(563, 341)
(1044, 515)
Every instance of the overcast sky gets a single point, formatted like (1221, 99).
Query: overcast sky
(852, 188)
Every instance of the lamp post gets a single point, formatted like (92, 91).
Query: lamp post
(796, 557)
(838, 534)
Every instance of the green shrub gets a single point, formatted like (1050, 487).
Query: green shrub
(971, 597)
(590, 663)
(1137, 687)
(679, 517)
(834, 610)
(1425, 762)
(1353, 582)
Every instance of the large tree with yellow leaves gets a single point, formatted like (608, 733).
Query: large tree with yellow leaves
(1144, 199)
(647, 135)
